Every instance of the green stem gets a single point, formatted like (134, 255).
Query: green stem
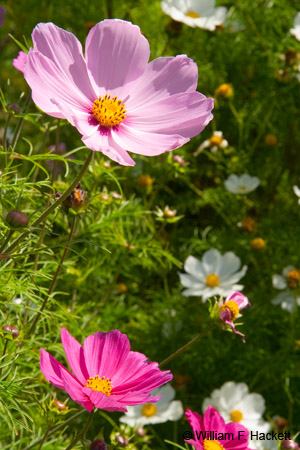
(185, 347)
(54, 205)
(55, 278)
(83, 432)
(6, 240)
(4, 352)
(5, 129)
(20, 124)
(44, 438)
(62, 425)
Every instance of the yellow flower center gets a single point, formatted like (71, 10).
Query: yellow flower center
(192, 14)
(149, 410)
(212, 445)
(216, 140)
(109, 111)
(243, 188)
(236, 416)
(100, 384)
(293, 278)
(212, 280)
(233, 308)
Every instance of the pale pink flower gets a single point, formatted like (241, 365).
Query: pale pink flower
(107, 375)
(230, 310)
(115, 98)
(19, 62)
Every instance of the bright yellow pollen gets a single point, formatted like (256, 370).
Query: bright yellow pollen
(109, 111)
(212, 445)
(233, 308)
(149, 410)
(100, 385)
(215, 140)
(243, 188)
(293, 278)
(192, 14)
(236, 416)
(212, 280)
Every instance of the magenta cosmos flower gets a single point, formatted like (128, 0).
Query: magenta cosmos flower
(107, 375)
(19, 62)
(115, 98)
(211, 432)
(230, 310)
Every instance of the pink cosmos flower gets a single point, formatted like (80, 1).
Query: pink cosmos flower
(115, 98)
(107, 375)
(230, 309)
(209, 432)
(19, 62)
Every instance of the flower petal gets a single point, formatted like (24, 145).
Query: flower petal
(212, 261)
(101, 401)
(75, 390)
(194, 267)
(75, 356)
(50, 368)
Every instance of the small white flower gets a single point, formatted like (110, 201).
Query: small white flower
(215, 142)
(165, 409)
(235, 404)
(296, 30)
(215, 274)
(296, 189)
(290, 278)
(195, 13)
(241, 185)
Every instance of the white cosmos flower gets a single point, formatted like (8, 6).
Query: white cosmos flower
(165, 409)
(296, 30)
(241, 185)
(235, 404)
(215, 142)
(290, 279)
(195, 13)
(295, 188)
(215, 274)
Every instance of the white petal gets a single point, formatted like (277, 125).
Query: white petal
(279, 282)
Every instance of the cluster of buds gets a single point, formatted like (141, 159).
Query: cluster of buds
(12, 330)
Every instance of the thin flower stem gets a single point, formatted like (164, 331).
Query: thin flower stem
(6, 240)
(55, 278)
(185, 347)
(82, 434)
(44, 438)
(5, 129)
(54, 205)
(4, 352)
(62, 425)
(20, 124)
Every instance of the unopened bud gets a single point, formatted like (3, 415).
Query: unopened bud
(225, 90)
(179, 159)
(11, 329)
(121, 440)
(289, 444)
(169, 213)
(144, 180)
(98, 444)
(116, 195)
(59, 405)
(140, 432)
(258, 244)
(14, 108)
(17, 219)
(270, 140)
(121, 288)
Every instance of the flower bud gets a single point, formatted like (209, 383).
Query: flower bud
(169, 213)
(140, 432)
(179, 159)
(270, 140)
(76, 200)
(121, 288)
(258, 244)
(289, 444)
(59, 405)
(11, 329)
(14, 108)
(121, 440)
(225, 90)
(144, 180)
(116, 195)
(98, 444)
(17, 219)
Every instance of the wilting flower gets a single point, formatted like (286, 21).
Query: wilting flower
(215, 142)
(235, 404)
(230, 310)
(114, 97)
(165, 409)
(241, 185)
(289, 281)
(297, 192)
(107, 375)
(195, 13)
(211, 432)
(19, 62)
(296, 30)
(215, 274)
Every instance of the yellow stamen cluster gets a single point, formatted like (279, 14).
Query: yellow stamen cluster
(233, 308)
(293, 278)
(212, 280)
(236, 416)
(192, 14)
(100, 385)
(215, 140)
(109, 111)
(212, 445)
(149, 410)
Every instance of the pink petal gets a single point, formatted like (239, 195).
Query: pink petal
(47, 82)
(241, 300)
(105, 352)
(162, 78)
(50, 367)
(136, 398)
(65, 51)
(101, 401)
(75, 356)
(116, 54)
(239, 441)
(75, 390)
(104, 143)
(145, 143)
(185, 114)
(212, 420)
(19, 62)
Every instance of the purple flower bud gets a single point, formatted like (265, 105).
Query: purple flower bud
(17, 219)
(289, 444)
(121, 440)
(98, 444)
(11, 329)
(140, 432)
